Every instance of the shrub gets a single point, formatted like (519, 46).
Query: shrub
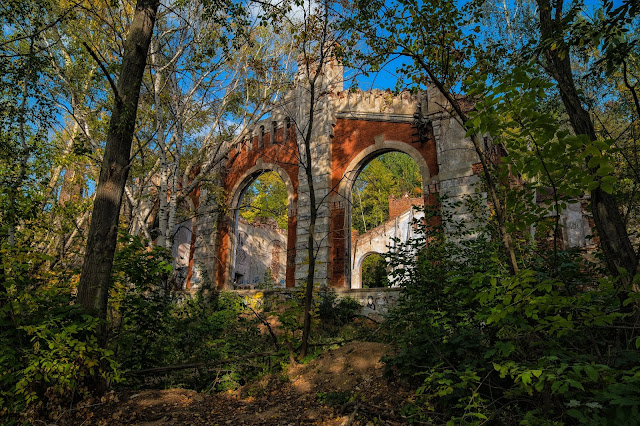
(336, 311)
(154, 326)
(547, 345)
(50, 351)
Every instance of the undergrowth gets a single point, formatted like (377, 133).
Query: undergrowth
(556, 343)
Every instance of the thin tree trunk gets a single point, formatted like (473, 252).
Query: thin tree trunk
(173, 203)
(609, 223)
(101, 243)
(308, 294)
(313, 213)
(160, 137)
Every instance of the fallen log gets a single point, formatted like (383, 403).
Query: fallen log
(167, 368)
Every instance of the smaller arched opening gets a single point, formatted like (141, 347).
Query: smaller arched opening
(374, 271)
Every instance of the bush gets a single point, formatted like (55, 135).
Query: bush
(50, 351)
(542, 346)
(336, 311)
(154, 326)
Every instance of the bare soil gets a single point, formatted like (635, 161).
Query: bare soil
(341, 387)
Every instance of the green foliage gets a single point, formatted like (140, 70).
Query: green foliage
(50, 352)
(290, 314)
(407, 28)
(391, 174)
(336, 311)
(540, 150)
(266, 198)
(268, 282)
(543, 346)
(374, 272)
(155, 327)
(25, 114)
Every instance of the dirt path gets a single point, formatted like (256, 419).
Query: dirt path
(342, 386)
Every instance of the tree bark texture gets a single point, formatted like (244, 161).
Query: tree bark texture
(308, 293)
(614, 239)
(101, 243)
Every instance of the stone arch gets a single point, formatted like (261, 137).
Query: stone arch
(355, 166)
(356, 279)
(237, 192)
(380, 147)
(243, 182)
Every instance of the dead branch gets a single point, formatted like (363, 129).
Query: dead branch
(167, 368)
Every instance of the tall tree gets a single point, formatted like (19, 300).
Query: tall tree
(317, 38)
(205, 92)
(614, 240)
(94, 282)
(439, 39)
(25, 111)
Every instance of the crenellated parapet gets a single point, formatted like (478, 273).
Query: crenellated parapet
(376, 105)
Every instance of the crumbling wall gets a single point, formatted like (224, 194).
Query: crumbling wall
(381, 239)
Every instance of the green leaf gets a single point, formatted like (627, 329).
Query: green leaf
(577, 414)
(593, 185)
(606, 187)
(591, 372)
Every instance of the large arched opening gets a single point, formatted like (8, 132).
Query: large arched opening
(393, 215)
(262, 206)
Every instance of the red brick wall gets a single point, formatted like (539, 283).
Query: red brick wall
(400, 205)
(353, 136)
(338, 246)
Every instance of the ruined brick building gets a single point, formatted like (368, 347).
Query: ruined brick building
(351, 128)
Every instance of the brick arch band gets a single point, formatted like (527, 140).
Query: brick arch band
(247, 178)
(382, 146)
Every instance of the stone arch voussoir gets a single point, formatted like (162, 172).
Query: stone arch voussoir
(363, 157)
(245, 180)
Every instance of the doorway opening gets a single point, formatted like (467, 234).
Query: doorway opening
(386, 197)
(260, 252)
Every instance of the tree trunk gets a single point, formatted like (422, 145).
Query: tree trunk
(313, 213)
(177, 156)
(609, 223)
(162, 143)
(101, 243)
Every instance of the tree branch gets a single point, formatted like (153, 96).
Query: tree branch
(104, 70)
